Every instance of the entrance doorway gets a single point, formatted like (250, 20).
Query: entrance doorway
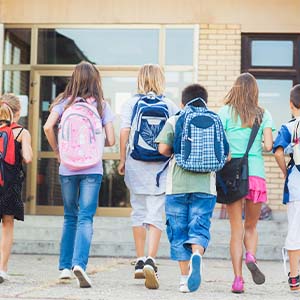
(43, 185)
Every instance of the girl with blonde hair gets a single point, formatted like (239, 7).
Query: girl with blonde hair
(147, 200)
(11, 204)
(238, 116)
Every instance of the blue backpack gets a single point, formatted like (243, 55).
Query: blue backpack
(200, 143)
(149, 116)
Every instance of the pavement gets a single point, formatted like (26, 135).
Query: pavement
(35, 277)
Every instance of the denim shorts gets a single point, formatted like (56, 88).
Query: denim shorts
(188, 222)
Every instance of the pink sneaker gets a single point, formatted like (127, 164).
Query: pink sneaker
(238, 285)
(257, 276)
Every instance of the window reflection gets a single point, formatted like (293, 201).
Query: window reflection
(272, 53)
(118, 90)
(274, 95)
(113, 192)
(17, 82)
(99, 46)
(175, 83)
(179, 46)
(50, 87)
(17, 46)
(48, 185)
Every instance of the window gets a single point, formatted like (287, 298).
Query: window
(179, 46)
(272, 53)
(39, 60)
(17, 82)
(99, 46)
(126, 48)
(17, 46)
(274, 59)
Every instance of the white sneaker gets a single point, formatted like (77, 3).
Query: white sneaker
(65, 274)
(3, 276)
(83, 279)
(183, 288)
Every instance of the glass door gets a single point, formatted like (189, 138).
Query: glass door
(45, 186)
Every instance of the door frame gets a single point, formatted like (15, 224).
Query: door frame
(31, 181)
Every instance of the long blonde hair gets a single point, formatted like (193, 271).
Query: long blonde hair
(243, 98)
(85, 82)
(151, 79)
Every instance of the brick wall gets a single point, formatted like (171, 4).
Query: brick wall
(218, 65)
(219, 59)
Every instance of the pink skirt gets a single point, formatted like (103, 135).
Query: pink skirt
(257, 189)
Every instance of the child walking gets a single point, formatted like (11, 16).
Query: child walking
(11, 204)
(80, 184)
(190, 198)
(142, 119)
(287, 142)
(238, 116)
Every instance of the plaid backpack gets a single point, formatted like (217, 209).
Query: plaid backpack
(200, 144)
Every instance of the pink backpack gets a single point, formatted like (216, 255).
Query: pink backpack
(80, 136)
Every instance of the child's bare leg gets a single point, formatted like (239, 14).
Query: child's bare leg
(153, 240)
(184, 267)
(236, 241)
(198, 248)
(294, 256)
(6, 240)
(139, 235)
(252, 213)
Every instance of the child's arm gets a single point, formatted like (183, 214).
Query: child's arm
(279, 157)
(165, 149)
(26, 146)
(268, 139)
(49, 132)
(110, 134)
(124, 136)
(165, 138)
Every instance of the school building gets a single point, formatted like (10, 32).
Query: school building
(209, 42)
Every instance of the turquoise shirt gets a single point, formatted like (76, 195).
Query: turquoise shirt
(238, 138)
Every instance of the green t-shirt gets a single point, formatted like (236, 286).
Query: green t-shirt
(180, 181)
(238, 138)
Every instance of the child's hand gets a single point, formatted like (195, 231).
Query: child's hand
(228, 157)
(57, 155)
(121, 167)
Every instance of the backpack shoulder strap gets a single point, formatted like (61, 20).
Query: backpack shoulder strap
(16, 126)
(253, 134)
(139, 96)
(16, 138)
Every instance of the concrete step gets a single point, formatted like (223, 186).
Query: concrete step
(113, 237)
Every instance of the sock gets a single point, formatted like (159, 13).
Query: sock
(183, 278)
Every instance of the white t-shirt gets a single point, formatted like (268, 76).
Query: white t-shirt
(140, 176)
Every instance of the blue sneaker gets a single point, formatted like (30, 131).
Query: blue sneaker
(194, 278)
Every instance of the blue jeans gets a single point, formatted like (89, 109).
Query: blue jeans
(80, 196)
(188, 222)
